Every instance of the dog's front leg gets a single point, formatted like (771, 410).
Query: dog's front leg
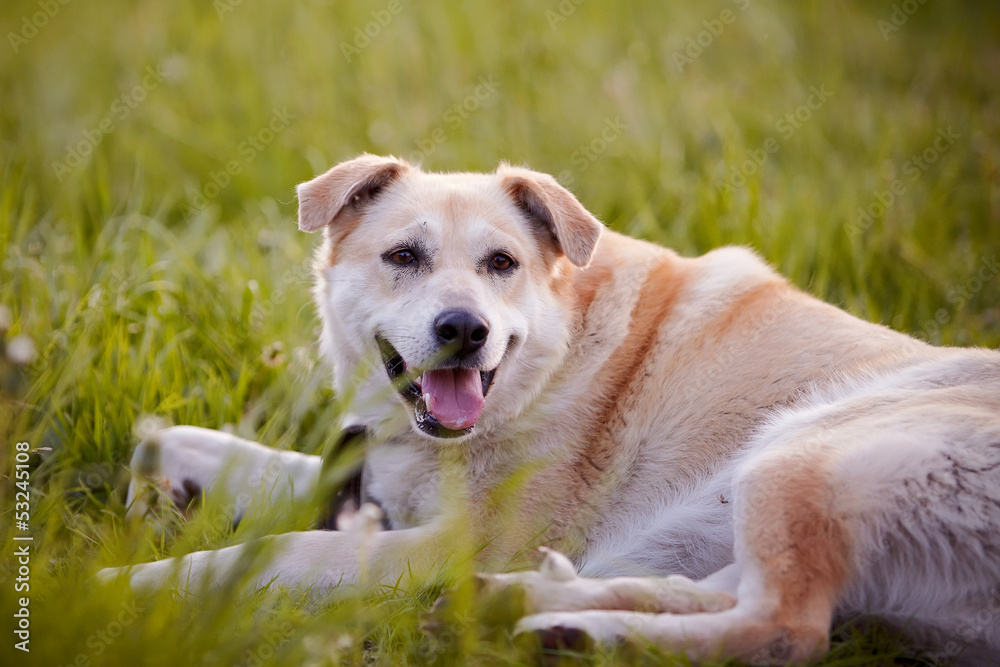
(315, 561)
(181, 462)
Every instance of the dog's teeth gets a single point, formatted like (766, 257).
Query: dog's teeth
(418, 379)
(426, 397)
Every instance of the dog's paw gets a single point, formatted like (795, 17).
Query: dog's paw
(497, 601)
(555, 586)
(559, 638)
(488, 607)
(539, 585)
(142, 579)
(578, 631)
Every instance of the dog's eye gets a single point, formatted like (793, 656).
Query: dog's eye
(502, 262)
(403, 256)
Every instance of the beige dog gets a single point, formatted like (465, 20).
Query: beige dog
(526, 377)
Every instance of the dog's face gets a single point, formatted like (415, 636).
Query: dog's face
(454, 283)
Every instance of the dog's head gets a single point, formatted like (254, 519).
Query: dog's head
(455, 283)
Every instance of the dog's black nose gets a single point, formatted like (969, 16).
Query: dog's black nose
(462, 327)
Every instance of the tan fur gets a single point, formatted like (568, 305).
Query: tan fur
(803, 549)
(586, 286)
(656, 299)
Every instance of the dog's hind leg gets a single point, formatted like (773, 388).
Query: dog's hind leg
(886, 505)
(183, 462)
(793, 560)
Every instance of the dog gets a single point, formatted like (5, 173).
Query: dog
(715, 462)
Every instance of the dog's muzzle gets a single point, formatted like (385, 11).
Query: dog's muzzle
(447, 400)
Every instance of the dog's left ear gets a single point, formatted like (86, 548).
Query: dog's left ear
(350, 184)
(541, 197)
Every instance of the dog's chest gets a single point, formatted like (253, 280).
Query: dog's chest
(404, 482)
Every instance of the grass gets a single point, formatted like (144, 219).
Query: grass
(155, 285)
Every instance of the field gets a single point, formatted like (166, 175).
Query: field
(151, 271)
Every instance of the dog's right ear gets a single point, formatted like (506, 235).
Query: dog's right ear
(540, 197)
(347, 186)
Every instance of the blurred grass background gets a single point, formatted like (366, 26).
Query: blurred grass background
(140, 280)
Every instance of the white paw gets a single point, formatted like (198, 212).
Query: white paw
(555, 586)
(145, 577)
(575, 630)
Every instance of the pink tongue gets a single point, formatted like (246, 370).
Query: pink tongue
(454, 396)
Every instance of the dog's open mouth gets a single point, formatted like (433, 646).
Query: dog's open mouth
(446, 402)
